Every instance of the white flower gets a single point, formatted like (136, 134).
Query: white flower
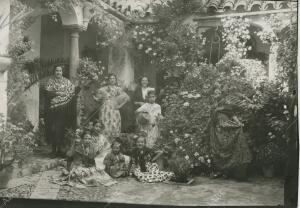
(208, 161)
(190, 96)
(197, 95)
(201, 159)
(171, 132)
(187, 157)
(140, 46)
(180, 147)
(186, 135)
(186, 104)
(196, 154)
(176, 140)
(284, 107)
(184, 93)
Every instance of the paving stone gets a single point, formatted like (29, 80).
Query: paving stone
(44, 188)
(24, 180)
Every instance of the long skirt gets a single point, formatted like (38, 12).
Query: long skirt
(153, 174)
(230, 149)
(111, 119)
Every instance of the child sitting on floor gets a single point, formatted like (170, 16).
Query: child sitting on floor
(142, 164)
(114, 162)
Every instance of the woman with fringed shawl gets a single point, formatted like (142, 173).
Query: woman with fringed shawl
(229, 147)
(60, 95)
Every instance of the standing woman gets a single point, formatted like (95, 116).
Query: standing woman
(60, 93)
(140, 94)
(229, 146)
(112, 98)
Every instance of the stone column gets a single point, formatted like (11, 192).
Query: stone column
(74, 63)
(74, 53)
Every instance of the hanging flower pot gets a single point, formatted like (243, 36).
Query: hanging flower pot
(268, 170)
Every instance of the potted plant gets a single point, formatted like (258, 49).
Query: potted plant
(181, 168)
(268, 155)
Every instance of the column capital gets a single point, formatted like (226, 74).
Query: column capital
(75, 28)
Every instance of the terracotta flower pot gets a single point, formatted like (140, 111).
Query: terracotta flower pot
(268, 171)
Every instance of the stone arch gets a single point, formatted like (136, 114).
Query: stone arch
(72, 16)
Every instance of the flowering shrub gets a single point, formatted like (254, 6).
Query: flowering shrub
(270, 154)
(16, 141)
(110, 29)
(249, 69)
(235, 35)
(281, 34)
(173, 49)
(90, 71)
(273, 117)
(188, 111)
(287, 56)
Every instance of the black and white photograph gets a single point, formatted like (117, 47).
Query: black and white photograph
(133, 103)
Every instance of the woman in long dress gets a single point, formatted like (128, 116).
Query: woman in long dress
(60, 93)
(112, 98)
(228, 142)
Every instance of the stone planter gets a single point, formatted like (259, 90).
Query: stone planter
(268, 171)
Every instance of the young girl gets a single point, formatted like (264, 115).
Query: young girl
(114, 162)
(151, 111)
(142, 164)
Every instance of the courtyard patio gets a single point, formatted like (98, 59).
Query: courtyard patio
(33, 181)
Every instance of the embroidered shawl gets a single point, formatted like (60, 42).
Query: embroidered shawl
(60, 85)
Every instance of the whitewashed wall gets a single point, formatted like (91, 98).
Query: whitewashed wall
(31, 96)
(4, 60)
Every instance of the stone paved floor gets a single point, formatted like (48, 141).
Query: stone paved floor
(218, 192)
(44, 188)
(203, 192)
(257, 191)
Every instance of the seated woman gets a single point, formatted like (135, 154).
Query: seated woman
(142, 164)
(115, 164)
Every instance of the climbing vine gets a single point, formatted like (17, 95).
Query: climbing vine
(235, 36)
